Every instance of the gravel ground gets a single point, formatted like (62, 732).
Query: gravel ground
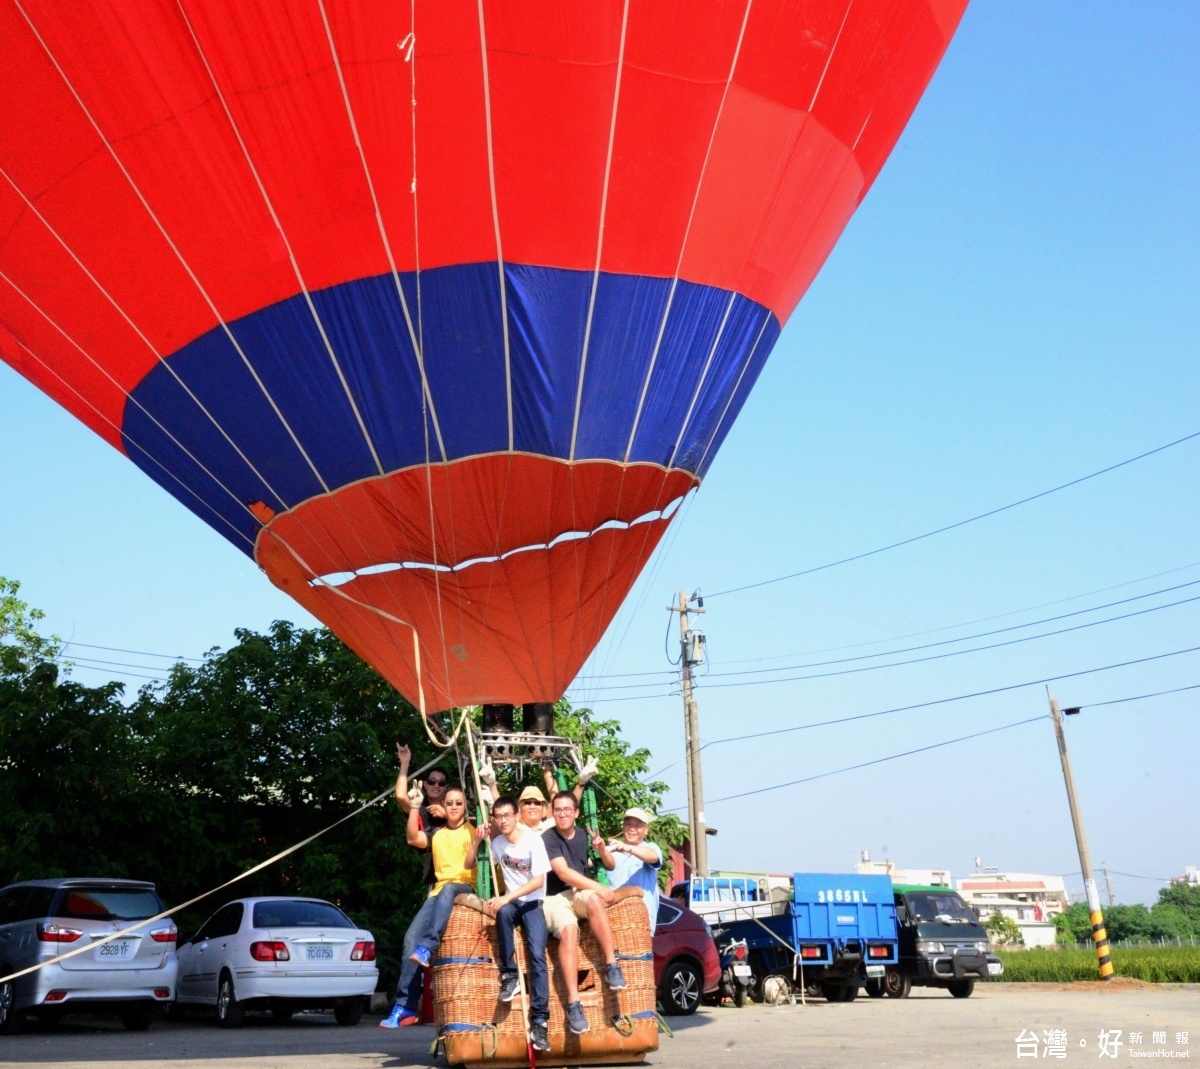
(928, 1029)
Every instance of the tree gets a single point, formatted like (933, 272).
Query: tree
(229, 762)
(1003, 931)
(1074, 924)
(22, 648)
(1184, 897)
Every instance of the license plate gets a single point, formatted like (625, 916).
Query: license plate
(876, 970)
(321, 952)
(741, 970)
(119, 948)
(995, 968)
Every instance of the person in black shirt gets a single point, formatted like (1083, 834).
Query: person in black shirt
(571, 896)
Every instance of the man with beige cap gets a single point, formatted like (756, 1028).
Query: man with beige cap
(638, 861)
(532, 810)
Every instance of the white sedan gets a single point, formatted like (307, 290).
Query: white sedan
(281, 954)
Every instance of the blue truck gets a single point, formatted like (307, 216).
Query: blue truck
(829, 932)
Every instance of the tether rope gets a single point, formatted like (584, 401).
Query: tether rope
(228, 883)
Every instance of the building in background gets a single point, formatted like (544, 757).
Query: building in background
(1033, 901)
(924, 877)
(1191, 875)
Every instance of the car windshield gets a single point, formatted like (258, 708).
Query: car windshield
(299, 915)
(107, 904)
(948, 908)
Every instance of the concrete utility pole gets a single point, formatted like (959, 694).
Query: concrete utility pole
(1107, 883)
(691, 645)
(1099, 935)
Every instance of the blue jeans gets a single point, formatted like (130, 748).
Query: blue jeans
(534, 926)
(425, 931)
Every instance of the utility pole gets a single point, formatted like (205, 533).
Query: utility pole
(691, 653)
(1107, 883)
(1099, 935)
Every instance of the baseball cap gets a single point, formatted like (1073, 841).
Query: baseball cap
(643, 815)
(534, 793)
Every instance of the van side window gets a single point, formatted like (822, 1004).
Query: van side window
(11, 903)
(37, 905)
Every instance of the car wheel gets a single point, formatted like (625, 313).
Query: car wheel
(139, 1018)
(739, 995)
(230, 1012)
(961, 988)
(11, 1019)
(349, 1013)
(681, 988)
(875, 988)
(896, 984)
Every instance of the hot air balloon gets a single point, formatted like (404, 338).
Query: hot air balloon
(436, 308)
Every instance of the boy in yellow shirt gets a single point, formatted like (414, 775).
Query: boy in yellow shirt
(453, 849)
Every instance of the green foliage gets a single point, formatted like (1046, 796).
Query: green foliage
(1130, 924)
(1002, 930)
(1169, 964)
(227, 763)
(22, 648)
(1073, 924)
(1184, 897)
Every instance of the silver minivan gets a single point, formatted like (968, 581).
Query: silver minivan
(133, 976)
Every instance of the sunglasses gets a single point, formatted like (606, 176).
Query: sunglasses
(532, 801)
(437, 782)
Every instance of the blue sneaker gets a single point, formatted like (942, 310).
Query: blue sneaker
(421, 956)
(398, 1018)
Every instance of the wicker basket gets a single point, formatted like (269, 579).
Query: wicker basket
(477, 1029)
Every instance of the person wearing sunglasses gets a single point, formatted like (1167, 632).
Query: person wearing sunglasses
(532, 811)
(432, 813)
(453, 850)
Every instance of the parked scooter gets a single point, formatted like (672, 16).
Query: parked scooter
(736, 975)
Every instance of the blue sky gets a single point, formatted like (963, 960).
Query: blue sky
(1014, 305)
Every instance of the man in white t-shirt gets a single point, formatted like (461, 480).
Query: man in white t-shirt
(521, 857)
(638, 861)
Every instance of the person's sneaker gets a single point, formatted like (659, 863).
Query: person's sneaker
(538, 1035)
(576, 1019)
(510, 983)
(614, 977)
(421, 956)
(398, 1018)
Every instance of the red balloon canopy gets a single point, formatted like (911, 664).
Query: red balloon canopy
(437, 309)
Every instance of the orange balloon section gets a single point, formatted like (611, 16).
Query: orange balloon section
(435, 308)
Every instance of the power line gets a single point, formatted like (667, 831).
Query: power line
(926, 705)
(959, 523)
(129, 675)
(955, 653)
(918, 634)
(981, 634)
(910, 660)
(876, 761)
(961, 623)
(136, 653)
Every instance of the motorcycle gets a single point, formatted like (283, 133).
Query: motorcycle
(736, 974)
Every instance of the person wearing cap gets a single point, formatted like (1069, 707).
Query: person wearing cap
(532, 806)
(638, 861)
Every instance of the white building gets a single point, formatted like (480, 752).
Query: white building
(924, 877)
(1191, 875)
(1033, 901)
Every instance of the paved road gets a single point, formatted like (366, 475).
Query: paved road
(928, 1029)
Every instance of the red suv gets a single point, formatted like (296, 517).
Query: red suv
(686, 965)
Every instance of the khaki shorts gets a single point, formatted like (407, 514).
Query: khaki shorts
(565, 909)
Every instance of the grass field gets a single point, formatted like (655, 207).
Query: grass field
(1155, 964)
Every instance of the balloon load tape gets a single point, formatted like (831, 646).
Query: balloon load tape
(503, 741)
